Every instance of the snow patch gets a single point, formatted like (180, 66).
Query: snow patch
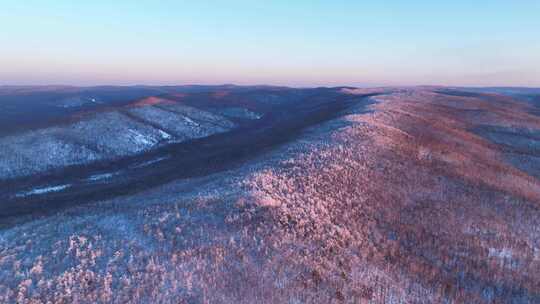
(151, 162)
(141, 139)
(164, 134)
(44, 190)
(190, 121)
(98, 177)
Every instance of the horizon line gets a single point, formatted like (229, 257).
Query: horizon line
(263, 85)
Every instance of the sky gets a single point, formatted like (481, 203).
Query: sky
(293, 43)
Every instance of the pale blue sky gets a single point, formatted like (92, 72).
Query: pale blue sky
(297, 43)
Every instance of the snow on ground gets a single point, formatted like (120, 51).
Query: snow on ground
(103, 176)
(165, 135)
(141, 140)
(183, 122)
(239, 113)
(115, 134)
(347, 213)
(151, 162)
(103, 136)
(218, 123)
(44, 190)
(39, 151)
